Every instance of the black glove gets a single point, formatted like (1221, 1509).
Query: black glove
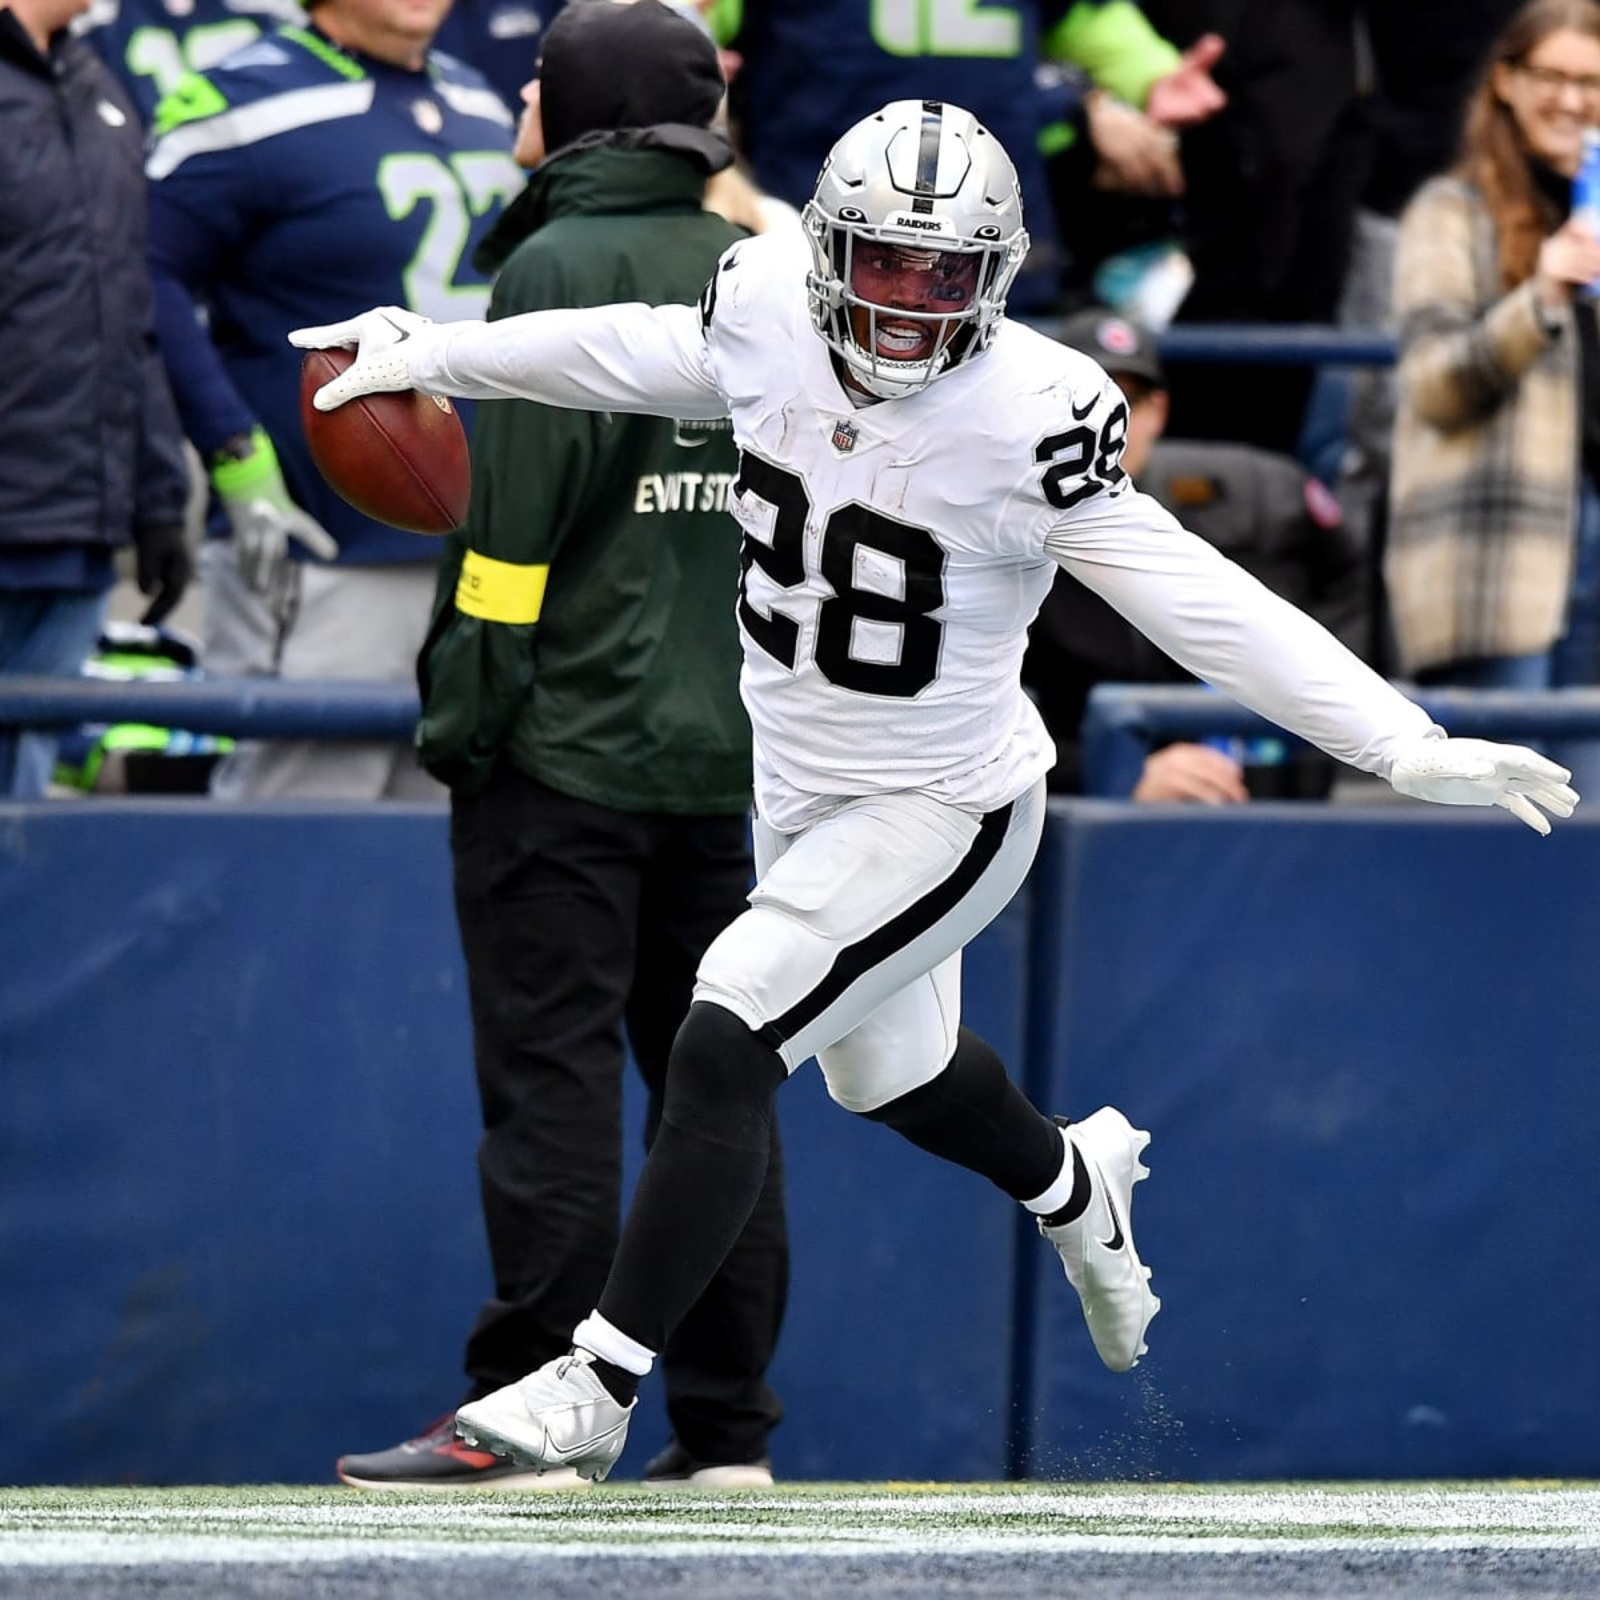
(164, 567)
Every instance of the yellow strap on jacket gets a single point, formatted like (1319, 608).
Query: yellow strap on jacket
(500, 591)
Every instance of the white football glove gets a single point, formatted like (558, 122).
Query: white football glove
(379, 339)
(1474, 772)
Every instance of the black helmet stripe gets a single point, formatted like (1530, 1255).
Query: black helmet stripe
(928, 155)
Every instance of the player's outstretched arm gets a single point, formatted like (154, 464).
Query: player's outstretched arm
(650, 360)
(1229, 629)
(1475, 772)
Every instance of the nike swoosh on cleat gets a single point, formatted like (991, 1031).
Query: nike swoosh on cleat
(1115, 1241)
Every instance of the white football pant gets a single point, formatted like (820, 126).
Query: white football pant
(851, 948)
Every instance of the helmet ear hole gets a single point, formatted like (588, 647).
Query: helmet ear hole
(917, 176)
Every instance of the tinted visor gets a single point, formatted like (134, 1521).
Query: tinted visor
(942, 282)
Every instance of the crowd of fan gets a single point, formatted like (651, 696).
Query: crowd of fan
(1183, 162)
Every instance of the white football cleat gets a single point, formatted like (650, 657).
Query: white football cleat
(558, 1416)
(1096, 1247)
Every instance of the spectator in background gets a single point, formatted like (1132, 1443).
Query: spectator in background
(1271, 188)
(808, 70)
(152, 44)
(1114, 172)
(581, 700)
(315, 168)
(1493, 559)
(1261, 510)
(1428, 55)
(501, 38)
(90, 451)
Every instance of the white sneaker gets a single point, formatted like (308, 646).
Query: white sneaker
(1097, 1247)
(559, 1416)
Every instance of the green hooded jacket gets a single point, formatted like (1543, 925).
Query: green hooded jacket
(600, 655)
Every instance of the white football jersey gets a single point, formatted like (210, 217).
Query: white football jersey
(888, 580)
(896, 553)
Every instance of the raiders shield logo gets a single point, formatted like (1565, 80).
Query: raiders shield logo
(844, 436)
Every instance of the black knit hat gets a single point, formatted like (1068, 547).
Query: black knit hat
(606, 66)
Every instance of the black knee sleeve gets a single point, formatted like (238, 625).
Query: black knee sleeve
(721, 1080)
(973, 1115)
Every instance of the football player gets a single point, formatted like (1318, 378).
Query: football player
(913, 468)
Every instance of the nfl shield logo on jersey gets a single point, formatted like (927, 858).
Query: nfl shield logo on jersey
(844, 436)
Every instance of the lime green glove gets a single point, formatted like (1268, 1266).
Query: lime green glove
(249, 482)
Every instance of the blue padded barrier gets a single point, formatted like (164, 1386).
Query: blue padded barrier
(238, 1218)
(1366, 1043)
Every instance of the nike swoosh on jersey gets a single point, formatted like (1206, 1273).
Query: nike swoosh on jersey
(1077, 415)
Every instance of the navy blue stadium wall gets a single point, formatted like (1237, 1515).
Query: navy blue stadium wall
(238, 1217)
(1367, 1044)
(238, 1228)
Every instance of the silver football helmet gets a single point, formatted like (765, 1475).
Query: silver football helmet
(916, 235)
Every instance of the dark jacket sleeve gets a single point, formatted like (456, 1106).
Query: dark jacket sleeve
(532, 470)
(86, 433)
(162, 488)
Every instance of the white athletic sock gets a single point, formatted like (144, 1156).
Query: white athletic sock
(1059, 1192)
(599, 1338)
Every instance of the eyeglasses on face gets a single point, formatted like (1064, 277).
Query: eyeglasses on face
(1550, 81)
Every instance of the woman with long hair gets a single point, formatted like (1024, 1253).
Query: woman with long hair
(1493, 561)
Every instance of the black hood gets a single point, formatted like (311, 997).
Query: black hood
(607, 67)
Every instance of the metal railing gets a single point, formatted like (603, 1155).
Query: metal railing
(1125, 722)
(1266, 344)
(246, 708)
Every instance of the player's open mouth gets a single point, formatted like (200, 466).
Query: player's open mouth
(902, 340)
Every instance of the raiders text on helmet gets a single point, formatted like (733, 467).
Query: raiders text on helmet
(925, 177)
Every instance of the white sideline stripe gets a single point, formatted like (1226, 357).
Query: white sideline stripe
(117, 1550)
(1536, 1509)
(261, 119)
(1196, 1521)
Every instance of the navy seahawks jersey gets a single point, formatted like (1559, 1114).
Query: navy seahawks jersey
(294, 184)
(501, 38)
(811, 71)
(151, 44)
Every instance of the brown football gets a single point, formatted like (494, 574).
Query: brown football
(400, 458)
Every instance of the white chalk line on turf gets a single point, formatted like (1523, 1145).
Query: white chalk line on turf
(1299, 1512)
(143, 1527)
(120, 1550)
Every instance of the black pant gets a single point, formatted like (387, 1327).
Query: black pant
(575, 920)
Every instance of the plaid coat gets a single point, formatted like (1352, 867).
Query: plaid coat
(1483, 492)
